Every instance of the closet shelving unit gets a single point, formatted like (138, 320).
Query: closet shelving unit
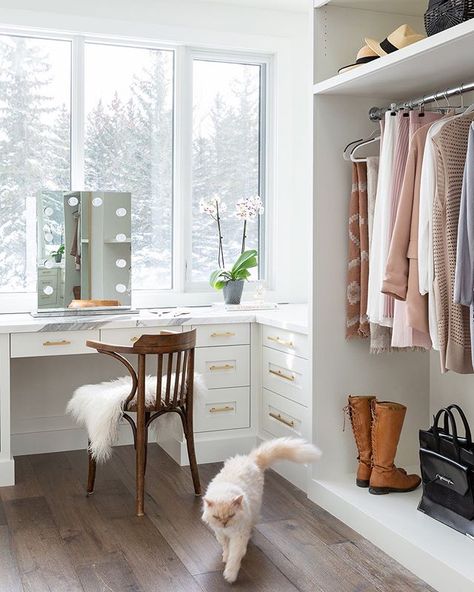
(437, 554)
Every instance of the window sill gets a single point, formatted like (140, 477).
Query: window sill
(25, 302)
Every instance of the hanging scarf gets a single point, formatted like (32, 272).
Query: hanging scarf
(357, 324)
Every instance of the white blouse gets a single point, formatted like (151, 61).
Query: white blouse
(425, 230)
(380, 243)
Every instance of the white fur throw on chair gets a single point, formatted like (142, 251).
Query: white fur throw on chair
(99, 408)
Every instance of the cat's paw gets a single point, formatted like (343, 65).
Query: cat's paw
(230, 575)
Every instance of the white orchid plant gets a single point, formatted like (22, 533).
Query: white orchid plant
(247, 209)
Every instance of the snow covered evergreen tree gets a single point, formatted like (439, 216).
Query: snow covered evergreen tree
(24, 153)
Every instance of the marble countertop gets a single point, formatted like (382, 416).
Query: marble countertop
(292, 317)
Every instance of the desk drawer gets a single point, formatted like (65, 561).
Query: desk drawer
(223, 409)
(129, 336)
(281, 417)
(54, 343)
(285, 375)
(286, 341)
(228, 334)
(224, 367)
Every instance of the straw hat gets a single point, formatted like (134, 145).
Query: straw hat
(402, 37)
(364, 56)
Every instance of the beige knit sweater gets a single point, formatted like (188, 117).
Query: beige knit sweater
(453, 319)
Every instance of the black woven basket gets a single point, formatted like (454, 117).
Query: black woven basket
(444, 14)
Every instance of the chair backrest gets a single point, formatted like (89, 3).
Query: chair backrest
(174, 366)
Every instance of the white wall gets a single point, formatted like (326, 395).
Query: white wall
(450, 388)
(284, 33)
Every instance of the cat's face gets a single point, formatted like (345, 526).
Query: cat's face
(222, 513)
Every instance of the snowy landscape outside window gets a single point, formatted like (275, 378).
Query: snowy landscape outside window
(35, 82)
(129, 147)
(227, 156)
(118, 132)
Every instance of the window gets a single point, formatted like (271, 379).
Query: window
(129, 147)
(35, 82)
(115, 130)
(227, 156)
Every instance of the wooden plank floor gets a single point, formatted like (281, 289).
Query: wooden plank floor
(53, 538)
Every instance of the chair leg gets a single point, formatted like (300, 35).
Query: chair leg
(140, 455)
(147, 417)
(91, 476)
(187, 420)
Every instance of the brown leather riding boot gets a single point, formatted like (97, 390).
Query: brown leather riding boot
(361, 420)
(387, 422)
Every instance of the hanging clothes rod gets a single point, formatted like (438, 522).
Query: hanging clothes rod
(377, 113)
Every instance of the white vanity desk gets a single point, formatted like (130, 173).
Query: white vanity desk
(255, 365)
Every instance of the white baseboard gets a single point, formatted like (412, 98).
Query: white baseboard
(58, 440)
(208, 449)
(7, 472)
(433, 552)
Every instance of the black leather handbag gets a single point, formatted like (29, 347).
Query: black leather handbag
(447, 468)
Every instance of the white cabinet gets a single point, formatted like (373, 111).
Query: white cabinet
(288, 342)
(224, 367)
(285, 403)
(253, 392)
(223, 409)
(227, 334)
(286, 375)
(283, 418)
(54, 343)
(130, 336)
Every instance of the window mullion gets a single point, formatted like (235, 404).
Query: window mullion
(77, 114)
(182, 172)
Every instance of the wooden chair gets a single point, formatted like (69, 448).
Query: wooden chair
(174, 394)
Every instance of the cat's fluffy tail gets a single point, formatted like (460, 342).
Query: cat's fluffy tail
(294, 449)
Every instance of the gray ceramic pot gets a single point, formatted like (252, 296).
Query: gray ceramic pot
(233, 292)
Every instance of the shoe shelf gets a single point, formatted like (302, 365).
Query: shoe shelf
(436, 553)
(441, 61)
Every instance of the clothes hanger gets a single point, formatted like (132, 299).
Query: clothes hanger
(350, 147)
(362, 145)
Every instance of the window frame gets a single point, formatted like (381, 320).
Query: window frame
(183, 56)
(250, 58)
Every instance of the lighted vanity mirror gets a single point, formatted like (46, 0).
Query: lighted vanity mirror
(84, 252)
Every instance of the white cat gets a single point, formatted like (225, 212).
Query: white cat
(234, 497)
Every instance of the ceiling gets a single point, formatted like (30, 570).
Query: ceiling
(292, 5)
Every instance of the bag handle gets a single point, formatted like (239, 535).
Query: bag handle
(454, 433)
(463, 419)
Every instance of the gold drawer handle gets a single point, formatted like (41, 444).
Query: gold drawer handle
(281, 374)
(221, 409)
(134, 339)
(224, 367)
(226, 334)
(278, 417)
(62, 342)
(281, 341)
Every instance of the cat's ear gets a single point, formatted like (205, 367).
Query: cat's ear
(237, 501)
(208, 502)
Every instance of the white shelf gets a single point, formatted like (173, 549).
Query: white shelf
(433, 64)
(438, 554)
(407, 7)
(411, 7)
(114, 241)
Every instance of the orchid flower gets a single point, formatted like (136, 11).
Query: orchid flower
(248, 209)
